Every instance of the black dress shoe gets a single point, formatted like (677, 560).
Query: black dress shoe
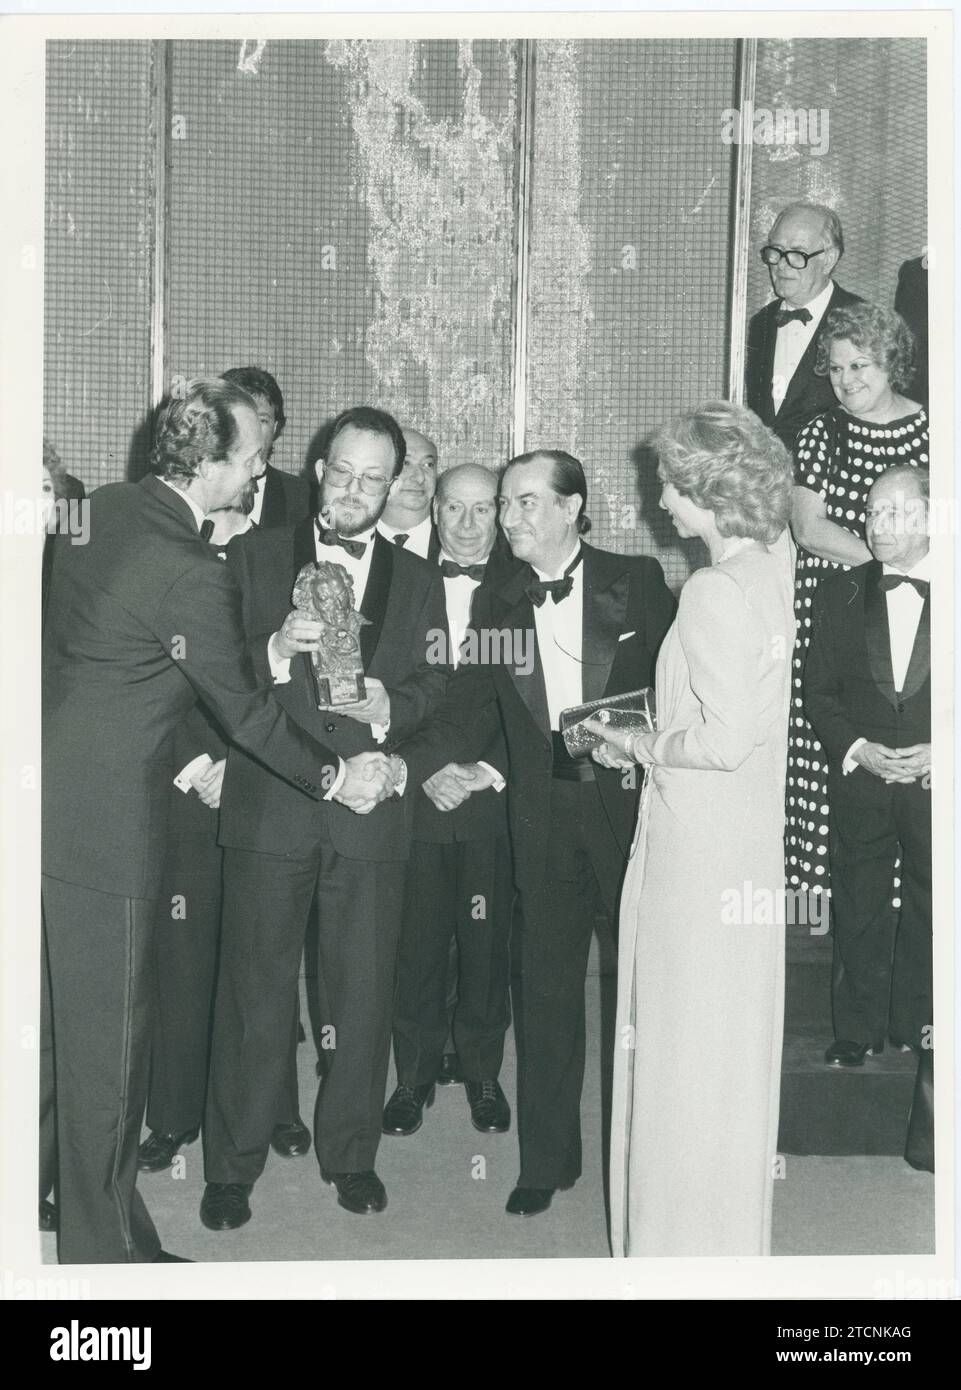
(844, 1053)
(361, 1193)
(489, 1111)
(225, 1205)
(165, 1258)
(48, 1215)
(404, 1112)
(158, 1151)
(529, 1201)
(449, 1072)
(291, 1141)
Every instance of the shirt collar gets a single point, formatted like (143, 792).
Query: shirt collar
(391, 531)
(818, 304)
(921, 570)
(198, 513)
(446, 555)
(542, 574)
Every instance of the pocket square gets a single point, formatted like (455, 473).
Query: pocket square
(624, 635)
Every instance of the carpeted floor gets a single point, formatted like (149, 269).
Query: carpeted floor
(447, 1186)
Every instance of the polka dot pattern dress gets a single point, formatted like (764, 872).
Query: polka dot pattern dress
(839, 457)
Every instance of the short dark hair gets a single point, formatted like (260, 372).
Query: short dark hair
(373, 421)
(881, 333)
(567, 478)
(194, 423)
(257, 381)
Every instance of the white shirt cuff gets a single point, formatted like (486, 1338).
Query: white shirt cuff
(184, 778)
(849, 764)
(499, 783)
(400, 786)
(379, 731)
(338, 780)
(279, 666)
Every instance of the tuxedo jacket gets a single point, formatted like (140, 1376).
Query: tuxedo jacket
(627, 610)
(141, 621)
(807, 394)
(404, 605)
(286, 498)
(848, 683)
(484, 813)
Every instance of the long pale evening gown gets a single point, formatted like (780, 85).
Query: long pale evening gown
(701, 969)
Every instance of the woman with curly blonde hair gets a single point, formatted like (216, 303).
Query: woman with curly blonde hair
(701, 970)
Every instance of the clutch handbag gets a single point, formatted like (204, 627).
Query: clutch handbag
(632, 712)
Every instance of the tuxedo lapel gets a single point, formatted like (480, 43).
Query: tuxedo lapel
(374, 603)
(767, 361)
(605, 607)
(513, 611)
(433, 546)
(805, 368)
(304, 546)
(919, 667)
(876, 633)
(274, 510)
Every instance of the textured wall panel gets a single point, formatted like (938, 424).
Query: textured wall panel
(98, 253)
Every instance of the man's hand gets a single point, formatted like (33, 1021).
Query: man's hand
(472, 776)
(882, 762)
(914, 762)
(375, 709)
(208, 784)
(297, 633)
(368, 779)
(446, 789)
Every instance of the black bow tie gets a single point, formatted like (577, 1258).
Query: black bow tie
(784, 316)
(450, 569)
(891, 581)
(538, 589)
(206, 529)
(355, 548)
(401, 538)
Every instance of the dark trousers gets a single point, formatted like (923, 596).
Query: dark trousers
(267, 902)
(461, 889)
(882, 981)
(99, 949)
(585, 867)
(185, 967)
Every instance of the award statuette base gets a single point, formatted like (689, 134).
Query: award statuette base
(340, 690)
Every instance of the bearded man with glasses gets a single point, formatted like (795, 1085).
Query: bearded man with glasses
(276, 855)
(801, 255)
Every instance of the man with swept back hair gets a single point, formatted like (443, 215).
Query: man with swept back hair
(142, 621)
(595, 621)
(801, 254)
(279, 499)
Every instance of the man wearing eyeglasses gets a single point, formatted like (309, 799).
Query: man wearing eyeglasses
(276, 856)
(801, 254)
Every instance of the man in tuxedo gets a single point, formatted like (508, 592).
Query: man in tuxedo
(569, 625)
(188, 933)
(406, 520)
(801, 254)
(911, 302)
(142, 620)
(277, 854)
(867, 692)
(459, 882)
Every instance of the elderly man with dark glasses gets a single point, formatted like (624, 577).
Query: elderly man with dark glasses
(801, 254)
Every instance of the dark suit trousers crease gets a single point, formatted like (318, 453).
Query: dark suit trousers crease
(882, 961)
(585, 867)
(99, 949)
(186, 949)
(462, 888)
(267, 902)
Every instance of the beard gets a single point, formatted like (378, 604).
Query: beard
(349, 520)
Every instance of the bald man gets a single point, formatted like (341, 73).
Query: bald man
(801, 254)
(406, 520)
(460, 879)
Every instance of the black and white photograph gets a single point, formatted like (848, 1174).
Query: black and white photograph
(478, 522)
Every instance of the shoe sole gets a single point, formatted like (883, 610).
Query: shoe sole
(491, 1129)
(401, 1133)
(539, 1212)
(222, 1226)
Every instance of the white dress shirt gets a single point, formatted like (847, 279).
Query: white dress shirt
(904, 613)
(418, 537)
(458, 597)
(559, 640)
(792, 343)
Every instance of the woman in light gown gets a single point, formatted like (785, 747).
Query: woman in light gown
(701, 970)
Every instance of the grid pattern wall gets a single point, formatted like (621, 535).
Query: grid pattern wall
(869, 96)
(630, 263)
(98, 255)
(340, 213)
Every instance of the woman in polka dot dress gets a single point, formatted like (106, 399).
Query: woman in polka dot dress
(868, 353)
